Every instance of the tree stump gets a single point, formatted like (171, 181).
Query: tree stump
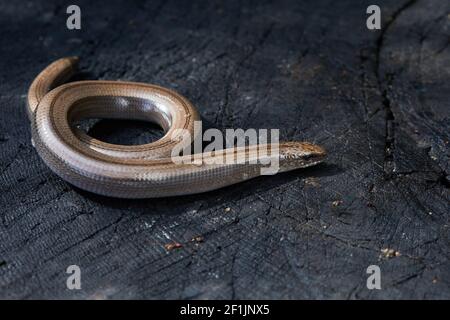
(377, 100)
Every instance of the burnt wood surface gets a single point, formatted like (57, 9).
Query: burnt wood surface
(378, 101)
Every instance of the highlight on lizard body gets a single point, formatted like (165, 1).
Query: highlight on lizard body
(138, 171)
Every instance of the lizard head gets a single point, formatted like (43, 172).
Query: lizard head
(294, 155)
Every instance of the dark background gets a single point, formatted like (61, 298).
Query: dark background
(378, 101)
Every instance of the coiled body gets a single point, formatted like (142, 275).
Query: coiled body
(141, 171)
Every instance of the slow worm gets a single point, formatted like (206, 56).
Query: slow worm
(137, 171)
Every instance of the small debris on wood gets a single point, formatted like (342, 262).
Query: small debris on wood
(336, 203)
(389, 253)
(197, 239)
(227, 209)
(312, 182)
(172, 246)
(435, 280)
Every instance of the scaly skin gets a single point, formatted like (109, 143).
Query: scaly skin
(143, 171)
